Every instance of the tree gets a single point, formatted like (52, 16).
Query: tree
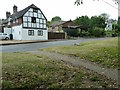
(83, 21)
(56, 18)
(97, 21)
(118, 25)
(78, 2)
(105, 16)
(48, 23)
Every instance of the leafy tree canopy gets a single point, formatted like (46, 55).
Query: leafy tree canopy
(78, 2)
(56, 18)
(105, 16)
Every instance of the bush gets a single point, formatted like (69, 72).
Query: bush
(98, 32)
(85, 34)
(71, 32)
(108, 33)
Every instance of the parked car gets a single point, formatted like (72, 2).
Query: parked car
(4, 36)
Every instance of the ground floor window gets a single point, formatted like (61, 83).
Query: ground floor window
(31, 32)
(40, 33)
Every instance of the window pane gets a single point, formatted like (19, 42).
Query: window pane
(25, 19)
(35, 14)
(38, 15)
(33, 19)
(31, 14)
(44, 26)
(37, 25)
(44, 21)
(34, 25)
(25, 24)
(31, 32)
(29, 24)
(41, 25)
(40, 33)
(40, 20)
(37, 20)
(29, 19)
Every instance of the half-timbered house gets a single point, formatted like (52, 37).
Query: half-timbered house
(27, 24)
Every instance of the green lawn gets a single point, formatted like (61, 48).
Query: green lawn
(103, 52)
(25, 70)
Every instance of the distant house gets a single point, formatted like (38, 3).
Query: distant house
(27, 24)
(108, 26)
(58, 26)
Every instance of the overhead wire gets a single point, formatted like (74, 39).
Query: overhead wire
(111, 5)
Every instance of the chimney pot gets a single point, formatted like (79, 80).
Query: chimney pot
(8, 14)
(14, 9)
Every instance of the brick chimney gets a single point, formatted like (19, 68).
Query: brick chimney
(8, 14)
(14, 9)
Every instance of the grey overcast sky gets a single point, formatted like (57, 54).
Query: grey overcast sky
(63, 8)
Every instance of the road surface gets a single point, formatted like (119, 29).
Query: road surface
(36, 46)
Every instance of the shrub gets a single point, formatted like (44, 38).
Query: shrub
(85, 34)
(72, 32)
(98, 32)
(108, 33)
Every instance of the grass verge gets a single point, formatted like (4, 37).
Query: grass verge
(103, 52)
(25, 70)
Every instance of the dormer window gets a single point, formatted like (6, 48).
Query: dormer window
(33, 19)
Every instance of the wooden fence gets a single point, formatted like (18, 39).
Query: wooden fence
(56, 35)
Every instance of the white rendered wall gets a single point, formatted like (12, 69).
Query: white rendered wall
(25, 35)
(8, 30)
(17, 32)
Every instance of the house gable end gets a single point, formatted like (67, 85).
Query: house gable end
(34, 18)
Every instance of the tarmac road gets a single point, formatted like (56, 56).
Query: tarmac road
(36, 46)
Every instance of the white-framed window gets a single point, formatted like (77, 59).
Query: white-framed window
(35, 14)
(37, 25)
(40, 33)
(25, 24)
(29, 24)
(30, 32)
(33, 19)
(37, 20)
(34, 25)
(31, 14)
(25, 19)
(44, 21)
(41, 25)
(44, 26)
(29, 19)
(40, 20)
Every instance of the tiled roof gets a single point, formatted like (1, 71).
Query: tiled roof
(21, 13)
(56, 23)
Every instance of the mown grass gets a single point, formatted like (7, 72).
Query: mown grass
(103, 52)
(25, 70)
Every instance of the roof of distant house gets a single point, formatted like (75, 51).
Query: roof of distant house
(21, 13)
(57, 23)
